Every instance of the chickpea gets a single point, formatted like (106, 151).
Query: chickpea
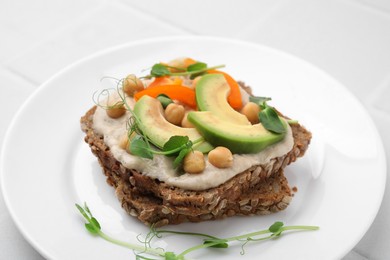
(251, 111)
(185, 123)
(194, 162)
(131, 84)
(174, 113)
(195, 81)
(124, 142)
(221, 157)
(115, 108)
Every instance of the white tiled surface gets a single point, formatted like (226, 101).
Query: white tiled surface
(350, 39)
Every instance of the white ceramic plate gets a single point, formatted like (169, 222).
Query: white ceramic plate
(46, 167)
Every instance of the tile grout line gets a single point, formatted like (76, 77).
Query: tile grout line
(354, 254)
(57, 31)
(157, 19)
(20, 76)
(368, 7)
(81, 18)
(380, 112)
(263, 19)
(385, 83)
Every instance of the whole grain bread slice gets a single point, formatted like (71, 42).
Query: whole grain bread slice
(261, 189)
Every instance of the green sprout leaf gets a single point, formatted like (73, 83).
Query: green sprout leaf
(171, 256)
(82, 211)
(175, 142)
(159, 70)
(196, 69)
(220, 244)
(91, 228)
(271, 121)
(197, 66)
(259, 100)
(275, 227)
(164, 100)
(139, 147)
(268, 116)
(180, 157)
(180, 145)
(95, 223)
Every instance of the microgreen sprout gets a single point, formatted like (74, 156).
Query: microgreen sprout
(94, 228)
(207, 241)
(102, 98)
(178, 146)
(268, 116)
(274, 231)
(196, 69)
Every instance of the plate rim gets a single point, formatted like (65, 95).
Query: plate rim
(64, 70)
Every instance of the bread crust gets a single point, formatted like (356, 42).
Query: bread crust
(259, 190)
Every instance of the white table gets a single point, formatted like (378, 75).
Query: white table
(349, 39)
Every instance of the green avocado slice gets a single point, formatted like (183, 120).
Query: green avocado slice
(154, 125)
(211, 95)
(239, 139)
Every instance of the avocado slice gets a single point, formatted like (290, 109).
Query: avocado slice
(211, 95)
(154, 125)
(238, 138)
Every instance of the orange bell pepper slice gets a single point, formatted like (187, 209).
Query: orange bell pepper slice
(234, 98)
(159, 81)
(175, 92)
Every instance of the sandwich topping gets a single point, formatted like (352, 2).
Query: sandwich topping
(190, 126)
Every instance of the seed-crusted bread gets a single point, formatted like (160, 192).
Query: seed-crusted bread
(259, 190)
